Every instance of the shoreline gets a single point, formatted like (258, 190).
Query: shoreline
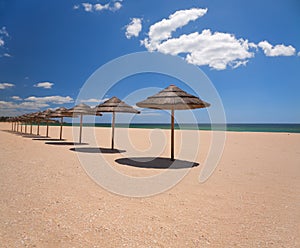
(243, 127)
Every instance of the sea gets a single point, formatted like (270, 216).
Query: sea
(276, 128)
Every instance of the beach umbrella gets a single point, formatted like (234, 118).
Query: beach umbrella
(81, 110)
(38, 117)
(115, 105)
(46, 114)
(60, 113)
(173, 98)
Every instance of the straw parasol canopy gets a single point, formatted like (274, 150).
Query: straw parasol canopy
(115, 105)
(60, 113)
(81, 110)
(173, 98)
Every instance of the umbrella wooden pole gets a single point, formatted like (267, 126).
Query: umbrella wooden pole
(31, 127)
(172, 134)
(80, 129)
(113, 130)
(61, 127)
(21, 127)
(12, 126)
(25, 127)
(47, 130)
(38, 128)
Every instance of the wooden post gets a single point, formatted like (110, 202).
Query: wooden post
(172, 134)
(61, 127)
(47, 130)
(21, 127)
(31, 127)
(38, 128)
(80, 130)
(25, 127)
(113, 131)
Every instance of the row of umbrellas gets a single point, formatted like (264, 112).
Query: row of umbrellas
(171, 98)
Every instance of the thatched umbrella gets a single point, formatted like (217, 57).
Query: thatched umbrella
(38, 117)
(81, 110)
(46, 114)
(114, 105)
(173, 98)
(60, 113)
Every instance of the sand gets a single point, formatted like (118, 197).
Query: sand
(251, 200)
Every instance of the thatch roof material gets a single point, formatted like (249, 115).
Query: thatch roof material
(173, 97)
(114, 104)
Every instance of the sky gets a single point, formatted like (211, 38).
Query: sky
(250, 51)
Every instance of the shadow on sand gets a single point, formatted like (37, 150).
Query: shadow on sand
(65, 143)
(48, 139)
(156, 163)
(96, 150)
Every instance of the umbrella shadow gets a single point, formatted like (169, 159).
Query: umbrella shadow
(48, 139)
(96, 150)
(156, 163)
(65, 143)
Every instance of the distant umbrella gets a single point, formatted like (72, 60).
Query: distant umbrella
(46, 115)
(114, 105)
(60, 113)
(81, 110)
(173, 98)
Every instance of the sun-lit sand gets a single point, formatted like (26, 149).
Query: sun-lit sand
(251, 200)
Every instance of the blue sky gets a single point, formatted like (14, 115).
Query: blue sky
(249, 50)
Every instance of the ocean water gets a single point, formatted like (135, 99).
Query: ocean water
(277, 128)
(287, 128)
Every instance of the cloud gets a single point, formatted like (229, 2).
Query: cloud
(89, 7)
(16, 98)
(50, 99)
(99, 7)
(23, 105)
(133, 28)
(218, 50)
(214, 49)
(3, 32)
(298, 54)
(3, 36)
(116, 6)
(278, 50)
(45, 85)
(6, 85)
(163, 29)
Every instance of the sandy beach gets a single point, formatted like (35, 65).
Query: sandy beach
(251, 200)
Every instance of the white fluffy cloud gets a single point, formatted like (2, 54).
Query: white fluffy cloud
(278, 50)
(1, 42)
(163, 29)
(217, 50)
(23, 105)
(45, 85)
(214, 49)
(16, 98)
(6, 85)
(50, 99)
(89, 7)
(134, 28)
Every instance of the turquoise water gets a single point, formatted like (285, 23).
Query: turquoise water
(287, 128)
